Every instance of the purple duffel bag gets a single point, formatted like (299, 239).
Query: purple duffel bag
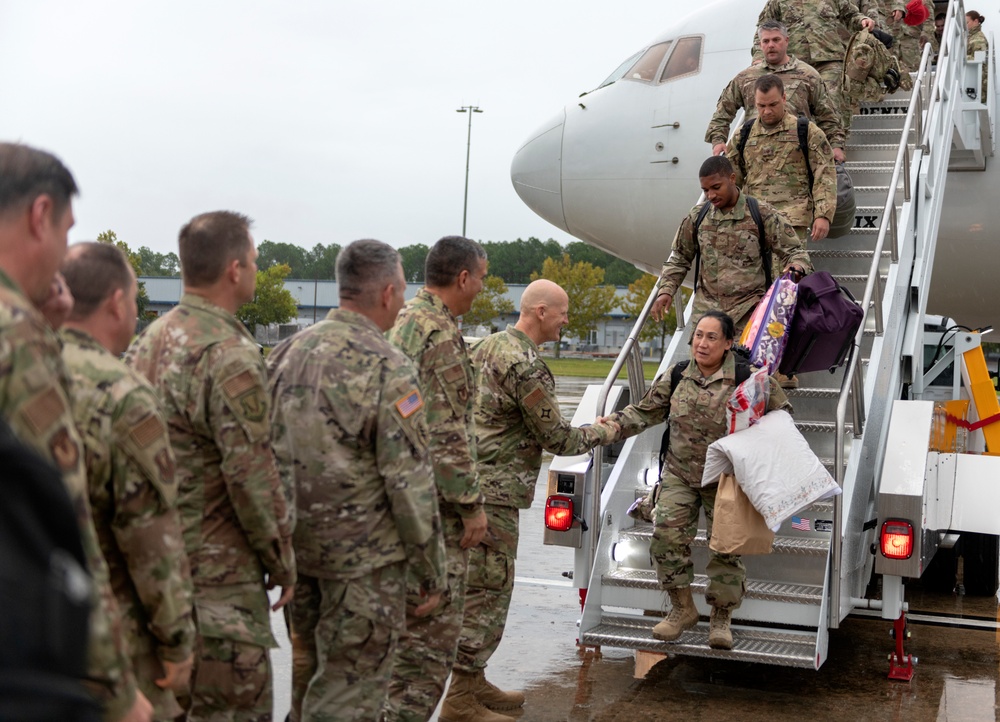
(826, 319)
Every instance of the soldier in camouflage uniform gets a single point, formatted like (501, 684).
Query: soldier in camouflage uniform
(697, 414)
(211, 379)
(35, 216)
(427, 332)
(350, 435)
(815, 38)
(732, 271)
(773, 168)
(804, 89)
(910, 39)
(975, 42)
(130, 472)
(517, 416)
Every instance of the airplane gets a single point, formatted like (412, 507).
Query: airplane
(617, 167)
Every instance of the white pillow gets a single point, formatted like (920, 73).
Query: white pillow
(774, 465)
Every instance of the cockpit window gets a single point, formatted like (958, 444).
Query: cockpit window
(685, 60)
(646, 66)
(620, 70)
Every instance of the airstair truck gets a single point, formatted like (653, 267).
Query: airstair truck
(874, 423)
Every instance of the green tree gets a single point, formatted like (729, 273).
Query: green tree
(321, 262)
(516, 261)
(589, 300)
(135, 260)
(490, 303)
(272, 303)
(158, 264)
(635, 299)
(413, 258)
(616, 271)
(270, 254)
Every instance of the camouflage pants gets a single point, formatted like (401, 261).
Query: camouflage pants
(427, 648)
(147, 668)
(231, 682)
(675, 524)
(489, 590)
(344, 635)
(832, 72)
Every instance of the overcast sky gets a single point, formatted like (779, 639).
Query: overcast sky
(324, 121)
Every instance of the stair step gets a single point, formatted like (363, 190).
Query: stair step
(812, 393)
(782, 544)
(822, 427)
(810, 594)
(834, 253)
(786, 648)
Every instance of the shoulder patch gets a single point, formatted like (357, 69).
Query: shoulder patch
(409, 404)
(43, 410)
(239, 384)
(147, 431)
(532, 399)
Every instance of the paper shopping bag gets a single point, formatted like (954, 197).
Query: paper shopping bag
(737, 528)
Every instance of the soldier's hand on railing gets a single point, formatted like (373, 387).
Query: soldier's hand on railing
(659, 305)
(718, 149)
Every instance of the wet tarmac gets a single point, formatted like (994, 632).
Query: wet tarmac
(956, 676)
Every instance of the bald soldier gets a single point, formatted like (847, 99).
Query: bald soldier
(426, 330)
(130, 473)
(351, 436)
(237, 531)
(36, 213)
(517, 417)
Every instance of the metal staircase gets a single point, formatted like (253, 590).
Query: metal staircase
(817, 573)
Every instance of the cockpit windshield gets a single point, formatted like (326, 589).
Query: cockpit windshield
(644, 65)
(620, 71)
(685, 60)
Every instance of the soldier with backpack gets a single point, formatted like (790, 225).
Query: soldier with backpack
(786, 161)
(730, 240)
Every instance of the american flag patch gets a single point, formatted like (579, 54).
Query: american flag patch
(409, 404)
(801, 524)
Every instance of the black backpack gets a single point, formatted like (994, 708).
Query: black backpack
(765, 250)
(743, 371)
(45, 592)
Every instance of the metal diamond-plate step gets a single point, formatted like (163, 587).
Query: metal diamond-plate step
(756, 589)
(787, 648)
(782, 545)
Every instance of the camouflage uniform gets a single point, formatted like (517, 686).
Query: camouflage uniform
(975, 42)
(805, 92)
(773, 169)
(212, 382)
(907, 45)
(517, 416)
(814, 37)
(697, 417)
(34, 390)
(349, 429)
(428, 334)
(732, 272)
(130, 472)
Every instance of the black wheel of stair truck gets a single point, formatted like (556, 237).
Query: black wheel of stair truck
(980, 563)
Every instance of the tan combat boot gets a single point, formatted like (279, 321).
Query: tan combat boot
(494, 697)
(461, 705)
(720, 636)
(683, 615)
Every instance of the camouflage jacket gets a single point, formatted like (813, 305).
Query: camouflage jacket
(428, 334)
(517, 416)
(774, 170)
(130, 473)
(34, 389)
(813, 27)
(697, 414)
(349, 427)
(211, 381)
(915, 32)
(975, 42)
(732, 271)
(804, 89)
(881, 10)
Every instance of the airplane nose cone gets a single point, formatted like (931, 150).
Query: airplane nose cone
(536, 172)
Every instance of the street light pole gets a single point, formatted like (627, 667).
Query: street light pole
(470, 109)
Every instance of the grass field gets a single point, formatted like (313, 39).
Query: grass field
(593, 368)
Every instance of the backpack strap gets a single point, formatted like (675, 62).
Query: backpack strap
(765, 249)
(743, 371)
(803, 129)
(694, 236)
(744, 134)
(675, 377)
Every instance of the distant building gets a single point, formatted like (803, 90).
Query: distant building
(316, 298)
